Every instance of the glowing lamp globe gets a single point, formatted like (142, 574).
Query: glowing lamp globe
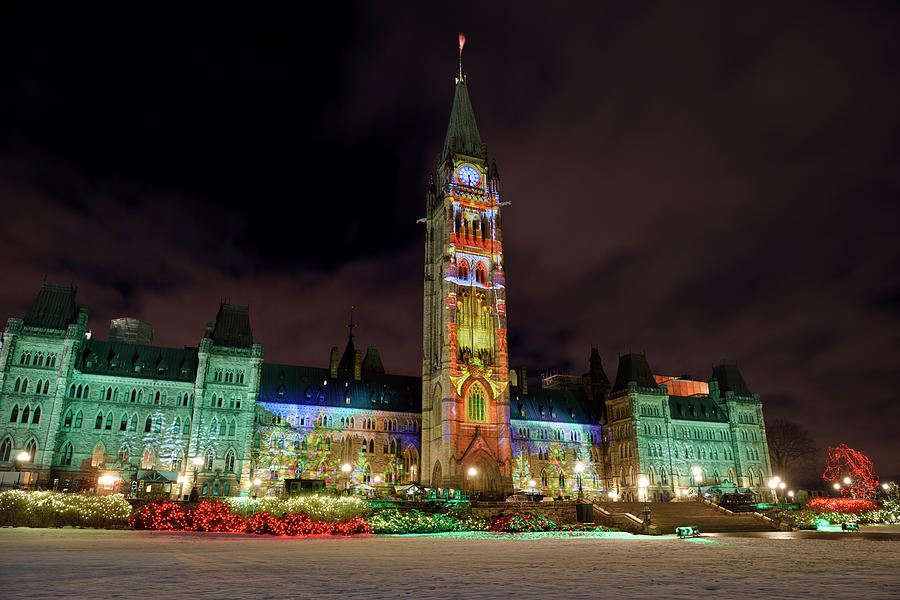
(696, 471)
(257, 481)
(532, 483)
(847, 481)
(782, 485)
(378, 479)
(23, 456)
(791, 493)
(346, 468)
(837, 486)
(885, 486)
(198, 460)
(473, 471)
(642, 482)
(579, 468)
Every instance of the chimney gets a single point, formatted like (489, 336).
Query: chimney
(357, 365)
(333, 363)
(513, 378)
(523, 384)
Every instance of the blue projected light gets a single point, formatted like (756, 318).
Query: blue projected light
(468, 175)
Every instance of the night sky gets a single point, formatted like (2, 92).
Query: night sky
(699, 182)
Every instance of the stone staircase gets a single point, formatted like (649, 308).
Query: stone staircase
(669, 515)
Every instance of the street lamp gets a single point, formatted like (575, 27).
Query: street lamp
(579, 469)
(532, 483)
(345, 469)
(773, 485)
(847, 481)
(21, 457)
(106, 481)
(642, 487)
(256, 483)
(470, 475)
(697, 474)
(197, 460)
(181, 481)
(837, 486)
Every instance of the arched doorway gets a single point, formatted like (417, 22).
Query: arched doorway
(482, 476)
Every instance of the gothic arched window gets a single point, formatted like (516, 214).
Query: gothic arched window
(476, 409)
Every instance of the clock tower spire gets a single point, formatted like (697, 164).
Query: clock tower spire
(465, 396)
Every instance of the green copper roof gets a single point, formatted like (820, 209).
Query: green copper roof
(462, 126)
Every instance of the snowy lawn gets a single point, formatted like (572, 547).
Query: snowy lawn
(75, 563)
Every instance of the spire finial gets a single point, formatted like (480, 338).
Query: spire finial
(462, 42)
(350, 326)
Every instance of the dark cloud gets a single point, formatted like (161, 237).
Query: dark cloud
(701, 183)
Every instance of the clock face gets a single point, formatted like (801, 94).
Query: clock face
(468, 175)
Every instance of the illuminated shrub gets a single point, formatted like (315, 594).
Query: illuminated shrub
(19, 508)
(215, 517)
(841, 505)
(318, 507)
(522, 522)
(160, 516)
(263, 522)
(412, 521)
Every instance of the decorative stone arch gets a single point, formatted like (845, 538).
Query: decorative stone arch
(98, 456)
(6, 449)
(437, 474)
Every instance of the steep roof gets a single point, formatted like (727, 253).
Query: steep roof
(730, 380)
(345, 367)
(134, 360)
(233, 327)
(549, 405)
(597, 374)
(634, 368)
(288, 384)
(53, 308)
(462, 126)
(696, 408)
(372, 362)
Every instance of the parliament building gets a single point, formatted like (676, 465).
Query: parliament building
(81, 413)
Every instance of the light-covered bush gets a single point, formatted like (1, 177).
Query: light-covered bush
(19, 508)
(318, 507)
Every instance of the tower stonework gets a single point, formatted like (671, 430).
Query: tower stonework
(465, 371)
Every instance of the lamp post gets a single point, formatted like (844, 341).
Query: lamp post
(106, 481)
(532, 483)
(773, 485)
(470, 475)
(697, 474)
(642, 488)
(345, 470)
(256, 483)
(21, 457)
(197, 460)
(579, 470)
(181, 481)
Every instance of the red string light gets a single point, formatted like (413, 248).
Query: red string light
(842, 462)
(217, 517)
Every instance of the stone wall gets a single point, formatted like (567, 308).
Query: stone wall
(558, 512)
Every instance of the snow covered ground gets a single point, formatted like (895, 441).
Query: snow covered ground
(71, 563)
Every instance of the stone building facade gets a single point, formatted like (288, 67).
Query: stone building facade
(215, 415)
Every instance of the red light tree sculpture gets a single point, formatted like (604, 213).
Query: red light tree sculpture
(843, 461)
